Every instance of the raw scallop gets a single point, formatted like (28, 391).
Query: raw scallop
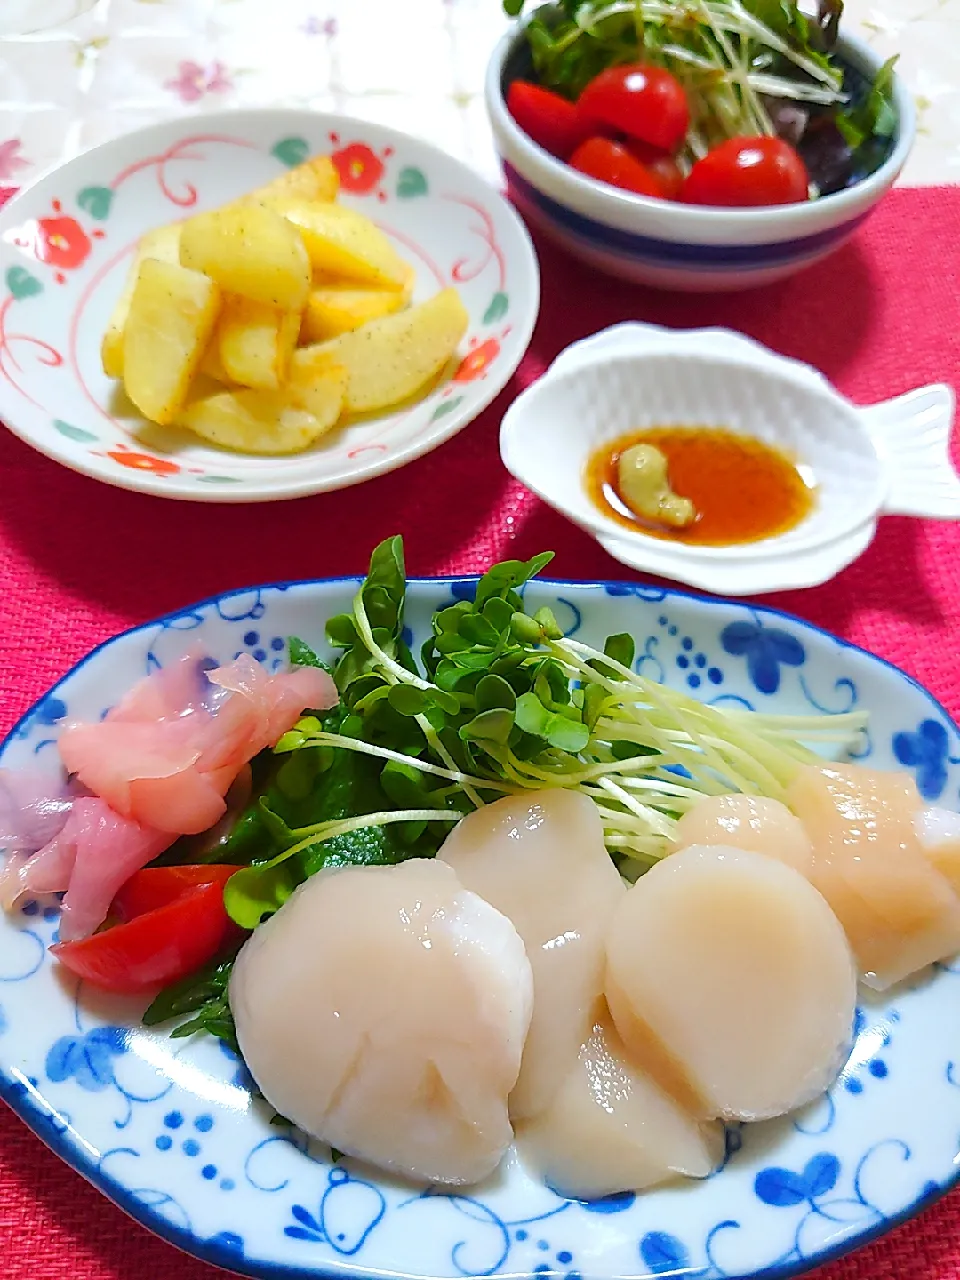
(540, 859)
(384, 1010)
(748, 822)
(731, 980)
(610, 1128)
(900, 913)
(939, 833)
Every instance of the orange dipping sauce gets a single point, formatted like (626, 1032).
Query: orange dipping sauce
(743, 490)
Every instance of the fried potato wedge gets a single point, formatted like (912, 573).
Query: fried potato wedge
(249, 250)
(390, 359)
(172, 314)
(163, 244)
(259, 422)
(344, 243)
(256, 342)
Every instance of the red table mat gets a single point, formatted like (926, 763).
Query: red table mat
(80, 561)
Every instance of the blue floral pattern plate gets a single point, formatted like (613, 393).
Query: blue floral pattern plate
(169, 1129)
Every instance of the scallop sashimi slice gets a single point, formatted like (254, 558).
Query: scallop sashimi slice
(540, 859)
(748, 822)
(610, 1128)
(384, 1010)
(939, 833)
(900, 913)
(731, 980)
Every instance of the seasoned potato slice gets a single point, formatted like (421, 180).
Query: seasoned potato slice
(315, 179)
(335, 307)
(211, 366)
(392, 358)
(249, 250)
(172, 314)
(317, 383)
(162, 244)
(261, 422)
(256, 342)
(344, 243)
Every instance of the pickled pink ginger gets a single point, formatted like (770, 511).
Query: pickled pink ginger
(157, 766)
(166, 755)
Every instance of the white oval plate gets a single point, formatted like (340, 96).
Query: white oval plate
(66, 243)
(168, 1130)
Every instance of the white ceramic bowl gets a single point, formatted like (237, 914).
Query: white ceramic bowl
(66, 243)
(676, 246)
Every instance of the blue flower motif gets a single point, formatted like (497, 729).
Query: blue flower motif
(783, 1189)
(926, 752)
(765, 649)
(663, 1254)
(88, 1058)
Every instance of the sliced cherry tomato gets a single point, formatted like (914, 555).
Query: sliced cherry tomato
(746, 172)
(644, 102)
(661, 163)
(552, 122)
(156, 887)
(611, 162)
(155, 949)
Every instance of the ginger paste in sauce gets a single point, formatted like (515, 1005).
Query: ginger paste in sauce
(718, 488)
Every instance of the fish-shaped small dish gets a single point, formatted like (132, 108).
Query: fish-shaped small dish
(858, 463)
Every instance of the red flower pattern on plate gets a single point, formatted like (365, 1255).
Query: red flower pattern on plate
(142, 461)
(59, 241)
(360, 168)
(475, 363)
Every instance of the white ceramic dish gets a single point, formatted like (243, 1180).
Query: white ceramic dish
(65, 247)
(888, 458)
(676, 246)
(168, 1128)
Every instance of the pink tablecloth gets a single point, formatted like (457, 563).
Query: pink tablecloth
(79, 561)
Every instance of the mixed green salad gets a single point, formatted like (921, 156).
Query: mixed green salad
(497, 701)
(749, 69)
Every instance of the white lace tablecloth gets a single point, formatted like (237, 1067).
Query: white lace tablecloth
(75, 72)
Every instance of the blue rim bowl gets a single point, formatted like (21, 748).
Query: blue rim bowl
(675, 246)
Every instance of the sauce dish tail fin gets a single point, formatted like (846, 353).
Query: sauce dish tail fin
(912, 437)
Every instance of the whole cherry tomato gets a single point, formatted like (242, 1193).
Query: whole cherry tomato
(747, 172)
(611, 162)
(644, 102)
(660, 163)
(551, 121)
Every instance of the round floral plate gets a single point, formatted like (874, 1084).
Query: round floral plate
(168, 1129)
(68, 240)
